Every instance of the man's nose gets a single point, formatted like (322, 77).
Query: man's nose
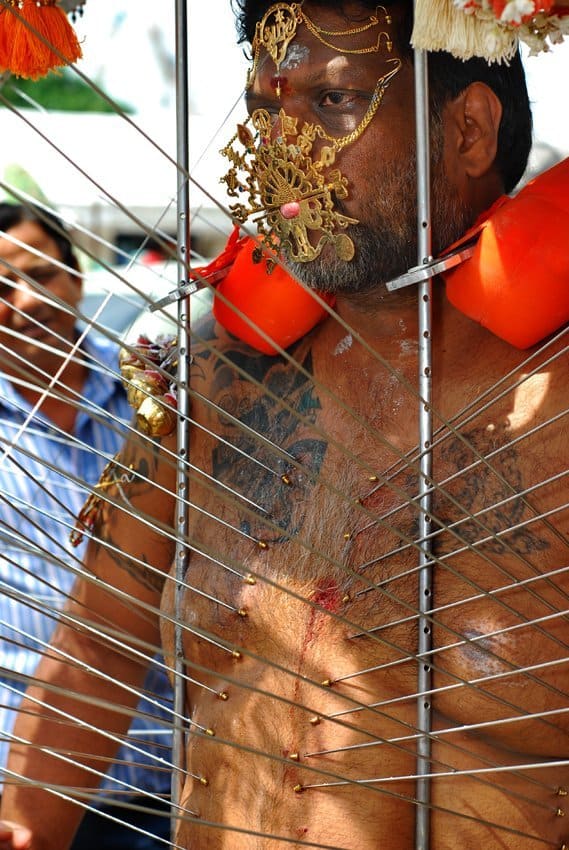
(24, 294)
(282, 128)
(277, 129)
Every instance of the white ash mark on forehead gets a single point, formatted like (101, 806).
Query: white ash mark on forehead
(295, 56)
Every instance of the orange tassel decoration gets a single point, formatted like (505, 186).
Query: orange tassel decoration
(35, 37)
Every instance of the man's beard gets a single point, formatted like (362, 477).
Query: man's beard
(386, 245)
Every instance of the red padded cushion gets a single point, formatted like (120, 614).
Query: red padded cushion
(274, 303)
(517, 282)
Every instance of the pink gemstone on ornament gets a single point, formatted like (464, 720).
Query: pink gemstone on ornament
(290, 210)
(170, 399)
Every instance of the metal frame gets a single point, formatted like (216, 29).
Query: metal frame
(182, 500)
(424, 297)
(425, 587)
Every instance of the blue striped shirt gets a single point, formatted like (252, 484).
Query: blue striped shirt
(38, 506)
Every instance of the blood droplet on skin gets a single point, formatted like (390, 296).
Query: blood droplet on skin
(327, 595)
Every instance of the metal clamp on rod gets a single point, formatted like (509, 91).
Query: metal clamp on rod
(189, 287)
(186, 287)
(418, 274)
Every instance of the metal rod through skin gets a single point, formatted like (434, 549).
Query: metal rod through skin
(424, 296)
(182, 503)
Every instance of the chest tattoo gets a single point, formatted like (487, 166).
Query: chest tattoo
(271, 454)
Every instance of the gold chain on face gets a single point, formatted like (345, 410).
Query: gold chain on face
(372, 22)
(375, 102)
(319, 33)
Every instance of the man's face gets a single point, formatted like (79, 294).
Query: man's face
(31, 322)
(322, 85)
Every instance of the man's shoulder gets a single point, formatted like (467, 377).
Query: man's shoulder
(226, 370)
(545, 372)
(7, 389)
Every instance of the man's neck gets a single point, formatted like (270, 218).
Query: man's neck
(381, 318)
(389, 328)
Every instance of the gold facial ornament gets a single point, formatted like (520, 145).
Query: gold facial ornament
(274, 32)
(288, 187)
(289, 191)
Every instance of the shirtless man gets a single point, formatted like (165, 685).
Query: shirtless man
(300, 605)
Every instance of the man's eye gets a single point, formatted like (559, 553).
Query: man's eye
(339, 98)
(333, 97)
(341, 111)
(44, 278)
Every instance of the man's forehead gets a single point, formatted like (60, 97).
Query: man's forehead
(325, 40)
(297, 54)
(31, 236)
(350, 15)
(350, 11)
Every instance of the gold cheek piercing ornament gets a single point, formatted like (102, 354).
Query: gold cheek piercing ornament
(284, 175)
(287, 192)
(290, 192)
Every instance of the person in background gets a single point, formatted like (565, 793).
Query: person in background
(63, 412)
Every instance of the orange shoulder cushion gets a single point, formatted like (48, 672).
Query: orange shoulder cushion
(258, 301)
(517, 282)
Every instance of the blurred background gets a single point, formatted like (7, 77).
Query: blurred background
(98, 142)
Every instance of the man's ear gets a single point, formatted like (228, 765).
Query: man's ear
(474, 117)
